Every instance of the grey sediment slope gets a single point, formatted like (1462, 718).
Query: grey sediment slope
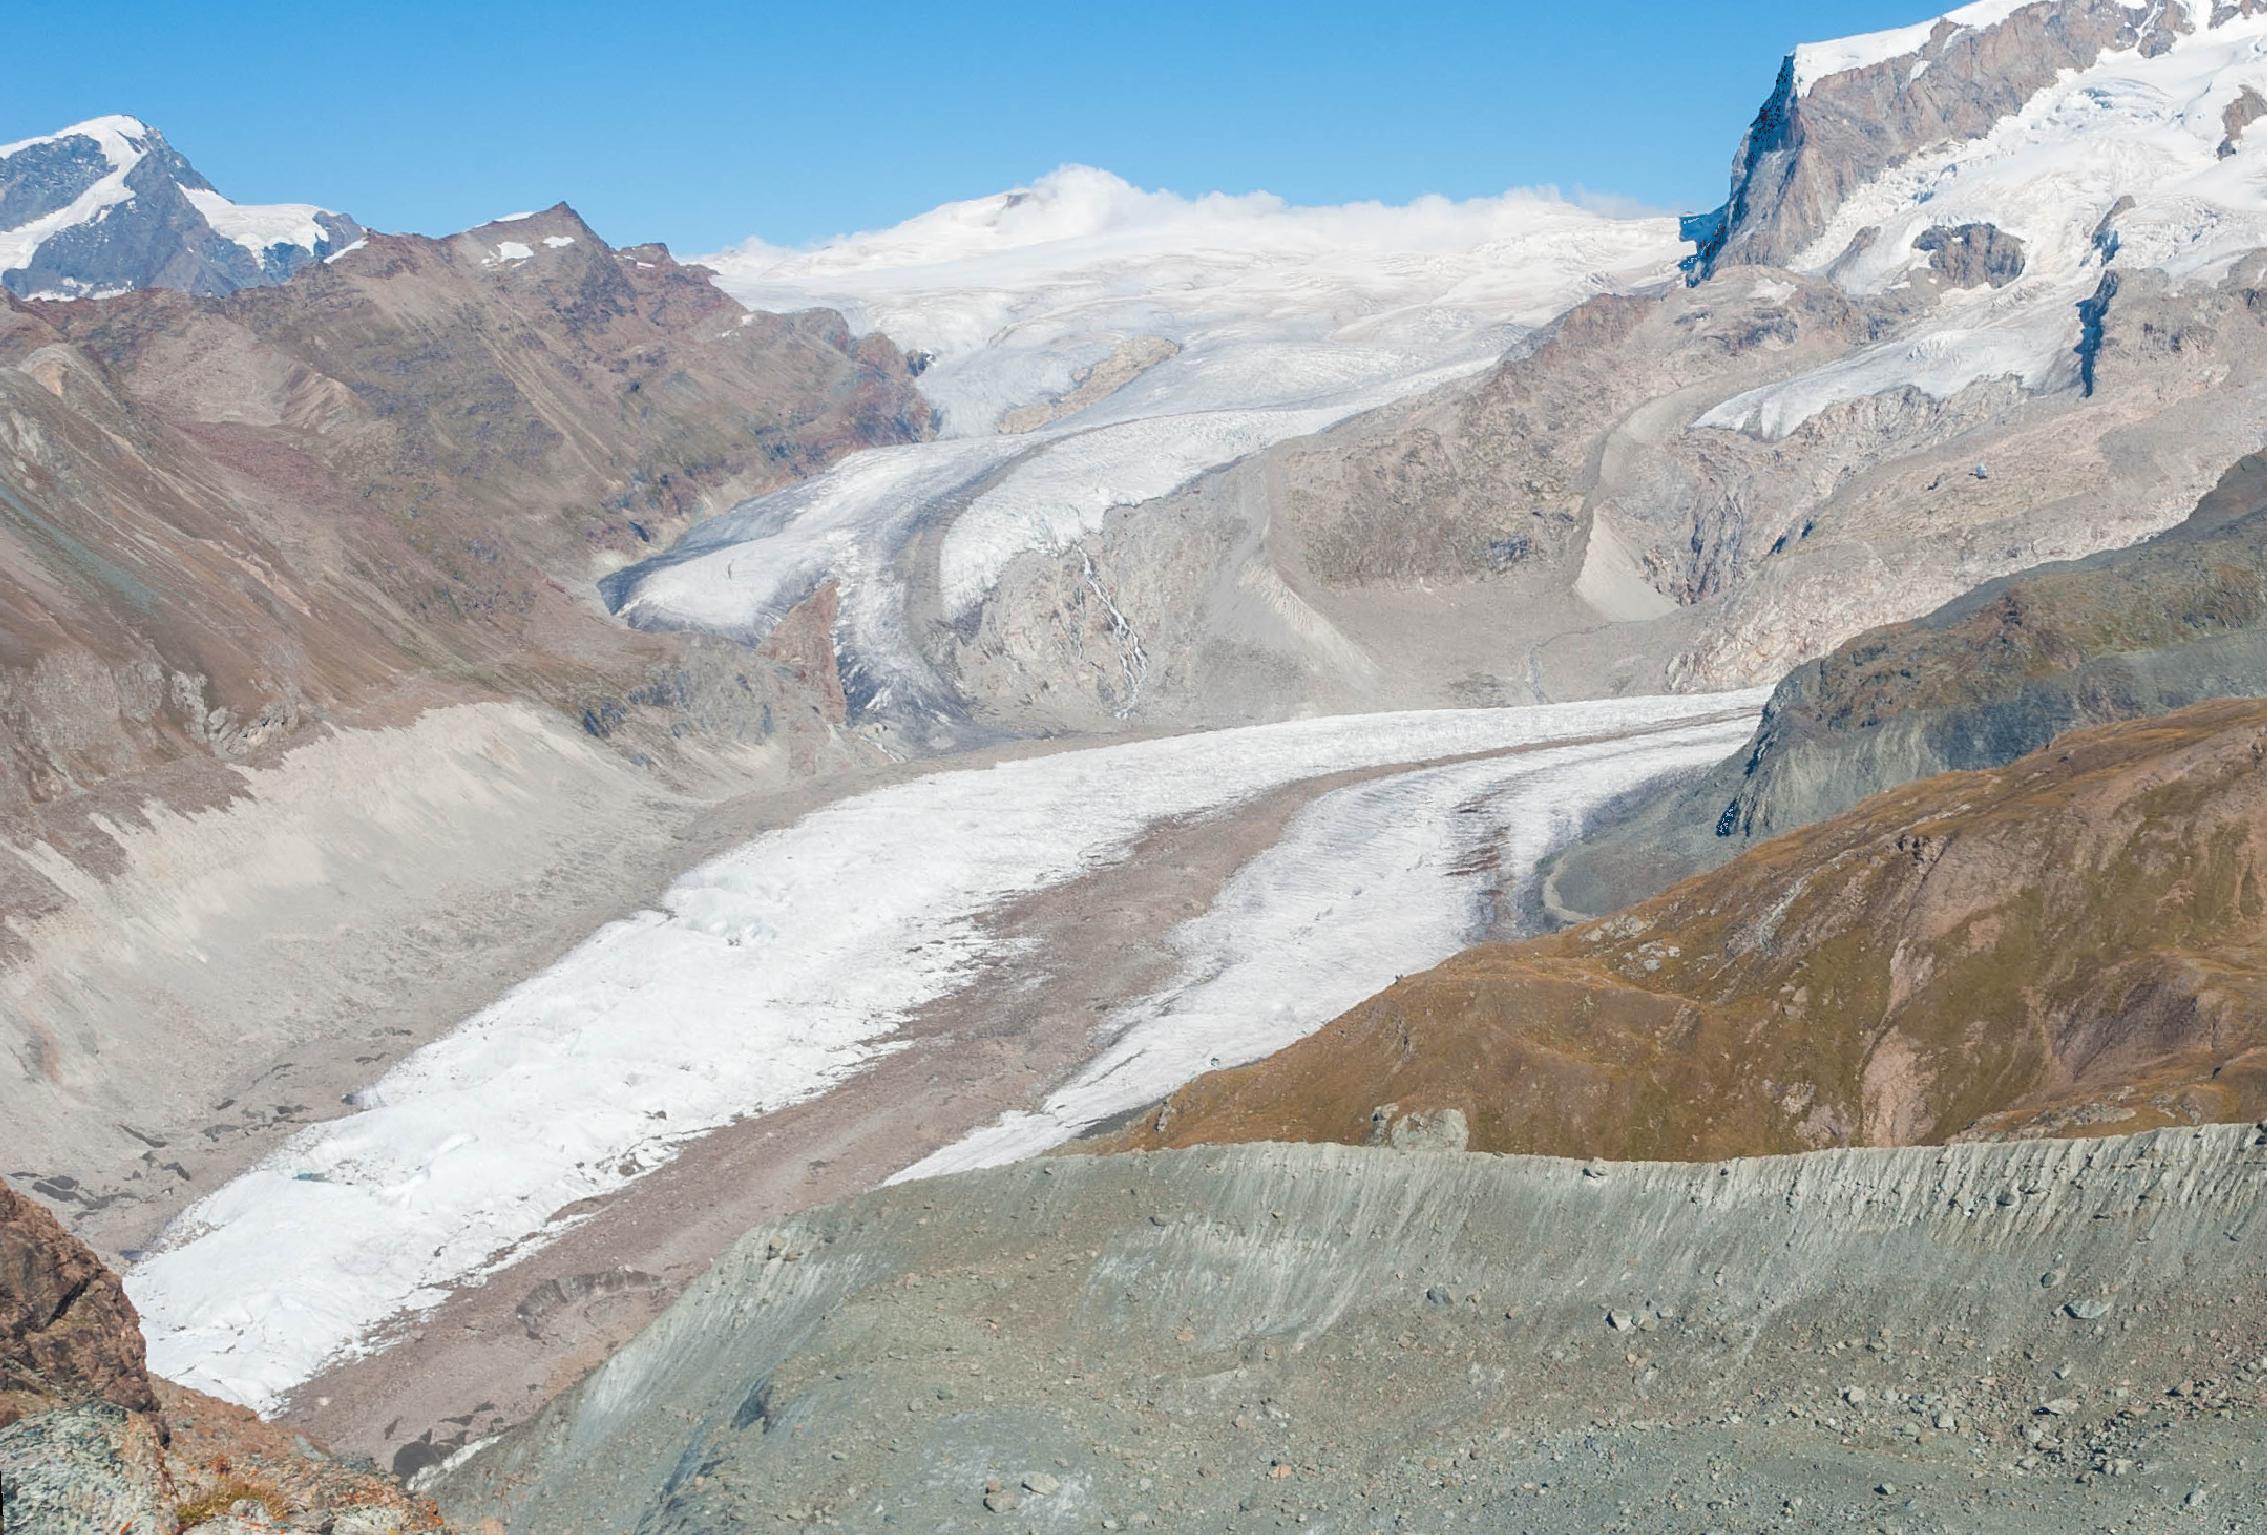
(1974, 1337)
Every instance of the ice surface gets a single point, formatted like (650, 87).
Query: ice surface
(1285, 320)
(767, 974)
(1014, 292)
(1370, 883)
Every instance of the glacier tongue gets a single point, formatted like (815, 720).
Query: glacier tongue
(1378, 880)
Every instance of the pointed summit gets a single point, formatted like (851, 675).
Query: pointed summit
(108, 205)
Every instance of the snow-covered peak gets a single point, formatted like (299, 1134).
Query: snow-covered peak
(2149, 146)
(2008, 182)
(107, 205)
(120, 137)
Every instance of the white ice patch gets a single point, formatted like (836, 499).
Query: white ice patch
(507, 252)
(2030, 344)
(259, 228)
(514, 218)
(558, 242)
(767, 975)
(344, 251)
(1369, 884)
(1063, 490)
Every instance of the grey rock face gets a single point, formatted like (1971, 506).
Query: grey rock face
(43, 177)
(2248, 107)
(1797, 1332)
(1442, 1131)
(109, 205)
(1973, 255)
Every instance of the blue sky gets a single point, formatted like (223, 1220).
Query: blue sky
(703, 124)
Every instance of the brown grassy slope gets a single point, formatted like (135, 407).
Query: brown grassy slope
(2072, 944)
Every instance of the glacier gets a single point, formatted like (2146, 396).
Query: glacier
(772, 972)
(1255, 321)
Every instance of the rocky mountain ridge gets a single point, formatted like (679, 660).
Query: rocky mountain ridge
(1995, 674)
(232, 516)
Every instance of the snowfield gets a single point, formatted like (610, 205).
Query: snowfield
(1253, 321)
(772, 972)
(1013, 293)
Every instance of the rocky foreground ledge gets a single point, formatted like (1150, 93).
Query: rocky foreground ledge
(91, 1443)
(2029, 1336)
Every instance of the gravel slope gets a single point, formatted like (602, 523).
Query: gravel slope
(2044, 1336)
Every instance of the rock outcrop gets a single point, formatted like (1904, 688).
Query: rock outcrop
(1973, 255)
(1981, 1337)
(91, 1442)
(68, 1334)
(2068, 945)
